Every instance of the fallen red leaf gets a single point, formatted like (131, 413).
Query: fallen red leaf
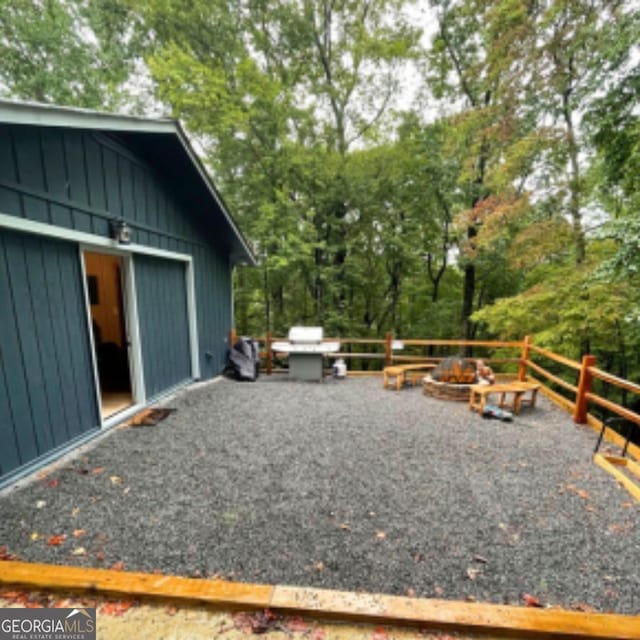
(16, 597)
(296, 624)
(98, 470)
(5, 555)
(258, 622)
(531, 601)
(100, 556)
(620, 527)
(380, 634)
(52, 484)
(117, 608)
(55, 541)
(117, 566)
(61, 604)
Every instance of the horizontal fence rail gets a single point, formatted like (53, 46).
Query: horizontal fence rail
(577, 398)
(567, 362)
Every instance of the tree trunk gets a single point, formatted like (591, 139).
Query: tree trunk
(267, 301)
(574, 180)
(468, 295)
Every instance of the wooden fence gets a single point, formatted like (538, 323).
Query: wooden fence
(578, 397)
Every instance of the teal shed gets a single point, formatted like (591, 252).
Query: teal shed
(116, 257)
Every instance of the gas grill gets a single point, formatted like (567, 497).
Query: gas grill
(306, 352)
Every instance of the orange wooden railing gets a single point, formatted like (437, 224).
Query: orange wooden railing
(578, 397)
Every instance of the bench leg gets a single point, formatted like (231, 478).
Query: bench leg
(534, 394)
(517, 401)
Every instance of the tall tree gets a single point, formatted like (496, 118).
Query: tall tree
(281, 92)
(577, 48)
(76, 53)
(467, 67)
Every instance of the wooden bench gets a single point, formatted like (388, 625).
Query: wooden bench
(518, 389)
(400, 372)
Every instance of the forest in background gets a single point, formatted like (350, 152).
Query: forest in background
(438, 169)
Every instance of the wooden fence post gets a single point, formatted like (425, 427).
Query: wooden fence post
(387, 350)
(584, 387)
(269, 354)
(524, 356)
(232, 337)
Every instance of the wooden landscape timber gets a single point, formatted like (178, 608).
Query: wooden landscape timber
(614, 464)
(450, 616)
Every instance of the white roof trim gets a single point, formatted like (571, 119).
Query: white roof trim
(35, 113)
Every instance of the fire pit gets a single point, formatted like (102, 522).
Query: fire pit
(306, 352)
(452, 379)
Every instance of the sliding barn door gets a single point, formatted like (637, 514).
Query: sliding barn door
(164, 323)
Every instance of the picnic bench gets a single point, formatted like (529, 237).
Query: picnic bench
(401, 371)
(518, 389)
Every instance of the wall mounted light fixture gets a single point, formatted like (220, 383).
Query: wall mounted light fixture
(120, 231)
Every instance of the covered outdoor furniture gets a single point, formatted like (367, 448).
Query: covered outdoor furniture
(243, 361)
(400, 372)
(517, 389)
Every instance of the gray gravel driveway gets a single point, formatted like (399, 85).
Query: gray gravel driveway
(344, 485)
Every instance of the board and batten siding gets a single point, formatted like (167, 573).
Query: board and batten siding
(47, 389)
(164, 323)
(81, 180)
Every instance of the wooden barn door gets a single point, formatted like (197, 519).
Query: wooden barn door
(47, 392)
(161, 291)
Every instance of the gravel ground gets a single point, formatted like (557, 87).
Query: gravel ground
(344, 485)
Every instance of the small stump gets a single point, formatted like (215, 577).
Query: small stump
(458, 392)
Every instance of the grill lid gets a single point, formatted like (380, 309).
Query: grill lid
(306, 340)
(305, 335)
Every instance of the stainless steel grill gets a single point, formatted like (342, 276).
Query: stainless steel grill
(306, 350)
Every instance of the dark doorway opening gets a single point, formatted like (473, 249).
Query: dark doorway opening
(109, 327)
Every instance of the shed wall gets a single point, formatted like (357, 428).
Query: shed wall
(83, 179)
(47, 392)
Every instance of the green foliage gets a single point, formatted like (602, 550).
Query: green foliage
(512, 212)
(73, 53)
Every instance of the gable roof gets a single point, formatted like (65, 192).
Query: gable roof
(164, 139)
